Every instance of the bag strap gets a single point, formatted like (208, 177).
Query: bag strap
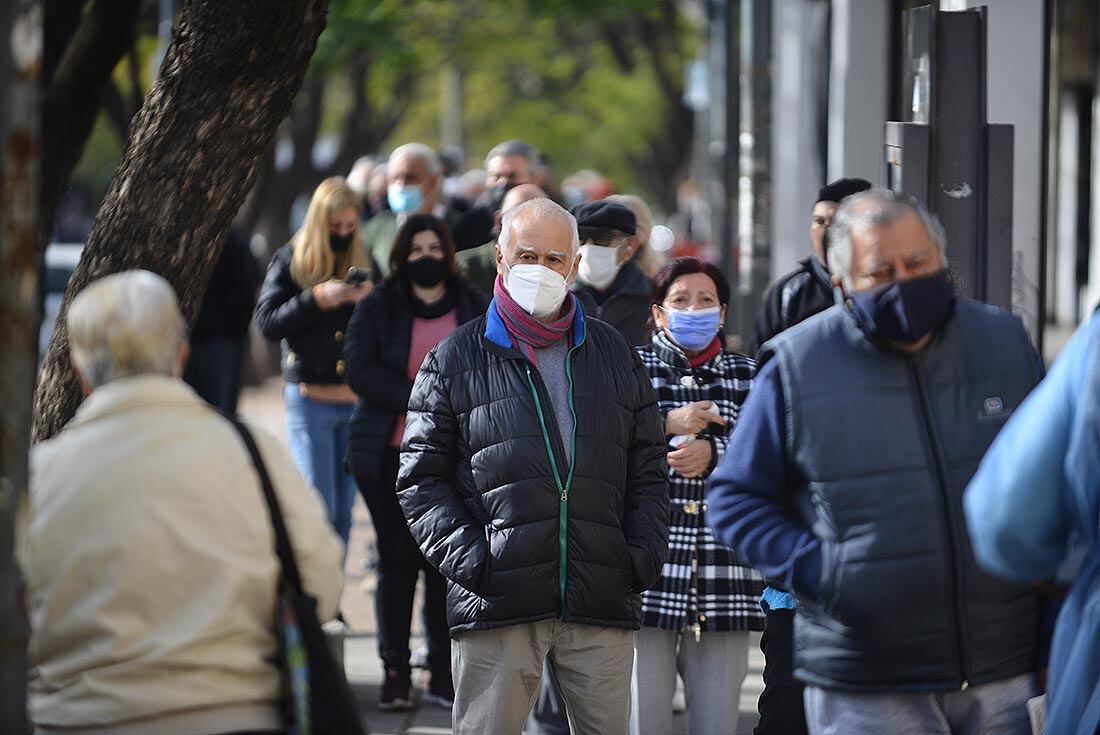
(282, 539)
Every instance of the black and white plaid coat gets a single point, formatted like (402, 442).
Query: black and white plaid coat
(703, 582)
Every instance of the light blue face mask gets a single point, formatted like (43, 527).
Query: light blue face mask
(694, 330)
(404, 199)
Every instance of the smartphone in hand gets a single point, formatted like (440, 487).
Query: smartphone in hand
(357, 276)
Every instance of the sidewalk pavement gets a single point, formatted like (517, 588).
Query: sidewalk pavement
(263, 405)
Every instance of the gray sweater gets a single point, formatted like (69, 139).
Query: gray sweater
(551, 366)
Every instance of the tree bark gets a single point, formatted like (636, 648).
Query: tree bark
(227, 81)
(20, 61)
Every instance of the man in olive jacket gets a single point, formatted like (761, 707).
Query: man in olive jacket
(533, 476)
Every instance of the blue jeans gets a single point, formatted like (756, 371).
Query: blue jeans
(318, 434)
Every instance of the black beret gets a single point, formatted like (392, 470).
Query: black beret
(605, 215)
(837, 190)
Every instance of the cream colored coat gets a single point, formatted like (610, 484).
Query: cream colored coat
(151, 570)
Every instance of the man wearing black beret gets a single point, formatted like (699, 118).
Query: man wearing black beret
(610, 285)
(807, 289)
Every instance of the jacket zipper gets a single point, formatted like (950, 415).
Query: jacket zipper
(949, 516)
(563, 505)
(563, 488)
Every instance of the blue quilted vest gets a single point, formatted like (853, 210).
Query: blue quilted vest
(883, 445)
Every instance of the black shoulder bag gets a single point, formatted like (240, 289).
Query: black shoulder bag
(317, 698)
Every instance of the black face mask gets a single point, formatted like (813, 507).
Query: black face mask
(340, 243)
(904, 311)
(426, 271)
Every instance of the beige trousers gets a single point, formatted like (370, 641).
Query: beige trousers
(497, 673)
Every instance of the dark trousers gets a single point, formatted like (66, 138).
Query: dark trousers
(400, 564)
(780, 705)
(214, 371)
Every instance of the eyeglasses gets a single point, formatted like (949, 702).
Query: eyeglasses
(688, 307)
(605, 238)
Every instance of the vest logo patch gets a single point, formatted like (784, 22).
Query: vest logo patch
(993, 406)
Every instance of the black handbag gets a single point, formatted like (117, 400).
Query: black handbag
(317, 698)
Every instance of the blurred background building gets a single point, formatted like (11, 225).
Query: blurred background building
(840, 70)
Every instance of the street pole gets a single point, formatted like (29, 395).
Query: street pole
(718, 130)
(20, 65)
(450, 106)
(754, 183)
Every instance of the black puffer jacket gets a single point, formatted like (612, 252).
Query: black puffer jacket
(625, 304)
(312, 338)
(377, 355)
(523, 537)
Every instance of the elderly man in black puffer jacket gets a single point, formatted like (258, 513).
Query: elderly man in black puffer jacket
(533, 476)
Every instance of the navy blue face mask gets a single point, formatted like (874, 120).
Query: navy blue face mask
(904, 311)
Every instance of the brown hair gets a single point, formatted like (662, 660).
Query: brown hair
(402, 243)
(673, 269)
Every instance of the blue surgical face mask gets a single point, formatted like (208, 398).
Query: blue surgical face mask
(904, 311)
(694, 330)
(404, 199)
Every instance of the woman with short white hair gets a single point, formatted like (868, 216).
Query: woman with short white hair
(148, 554)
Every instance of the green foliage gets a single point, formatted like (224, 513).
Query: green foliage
(96, 167)
(383, 29)
(543, 71)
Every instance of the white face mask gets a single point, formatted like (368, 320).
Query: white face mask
(599, 265)
(538, 290)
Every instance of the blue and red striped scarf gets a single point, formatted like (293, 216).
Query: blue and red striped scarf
(527, 332)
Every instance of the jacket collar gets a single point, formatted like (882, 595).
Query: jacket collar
(125, 394)
(496, 334)
(817, 269)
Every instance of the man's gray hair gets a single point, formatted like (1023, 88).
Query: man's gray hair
(514, 148)
(537, 208)
(418, 150)
(125, 324)
(875, 208)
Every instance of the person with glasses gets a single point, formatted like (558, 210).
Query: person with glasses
(864, 426)
(610, 285)
(696, 619)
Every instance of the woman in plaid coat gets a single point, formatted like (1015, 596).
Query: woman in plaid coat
(696, 619)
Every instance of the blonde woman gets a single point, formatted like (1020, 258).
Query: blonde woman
(311, 289)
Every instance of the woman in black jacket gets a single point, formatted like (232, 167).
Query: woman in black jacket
(418, 305)
(306, 300)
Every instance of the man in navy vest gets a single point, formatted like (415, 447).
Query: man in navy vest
(863, 427)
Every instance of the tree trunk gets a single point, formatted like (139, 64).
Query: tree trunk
(20, 60)
(227, 81)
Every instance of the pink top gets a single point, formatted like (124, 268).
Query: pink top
(426, 334)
